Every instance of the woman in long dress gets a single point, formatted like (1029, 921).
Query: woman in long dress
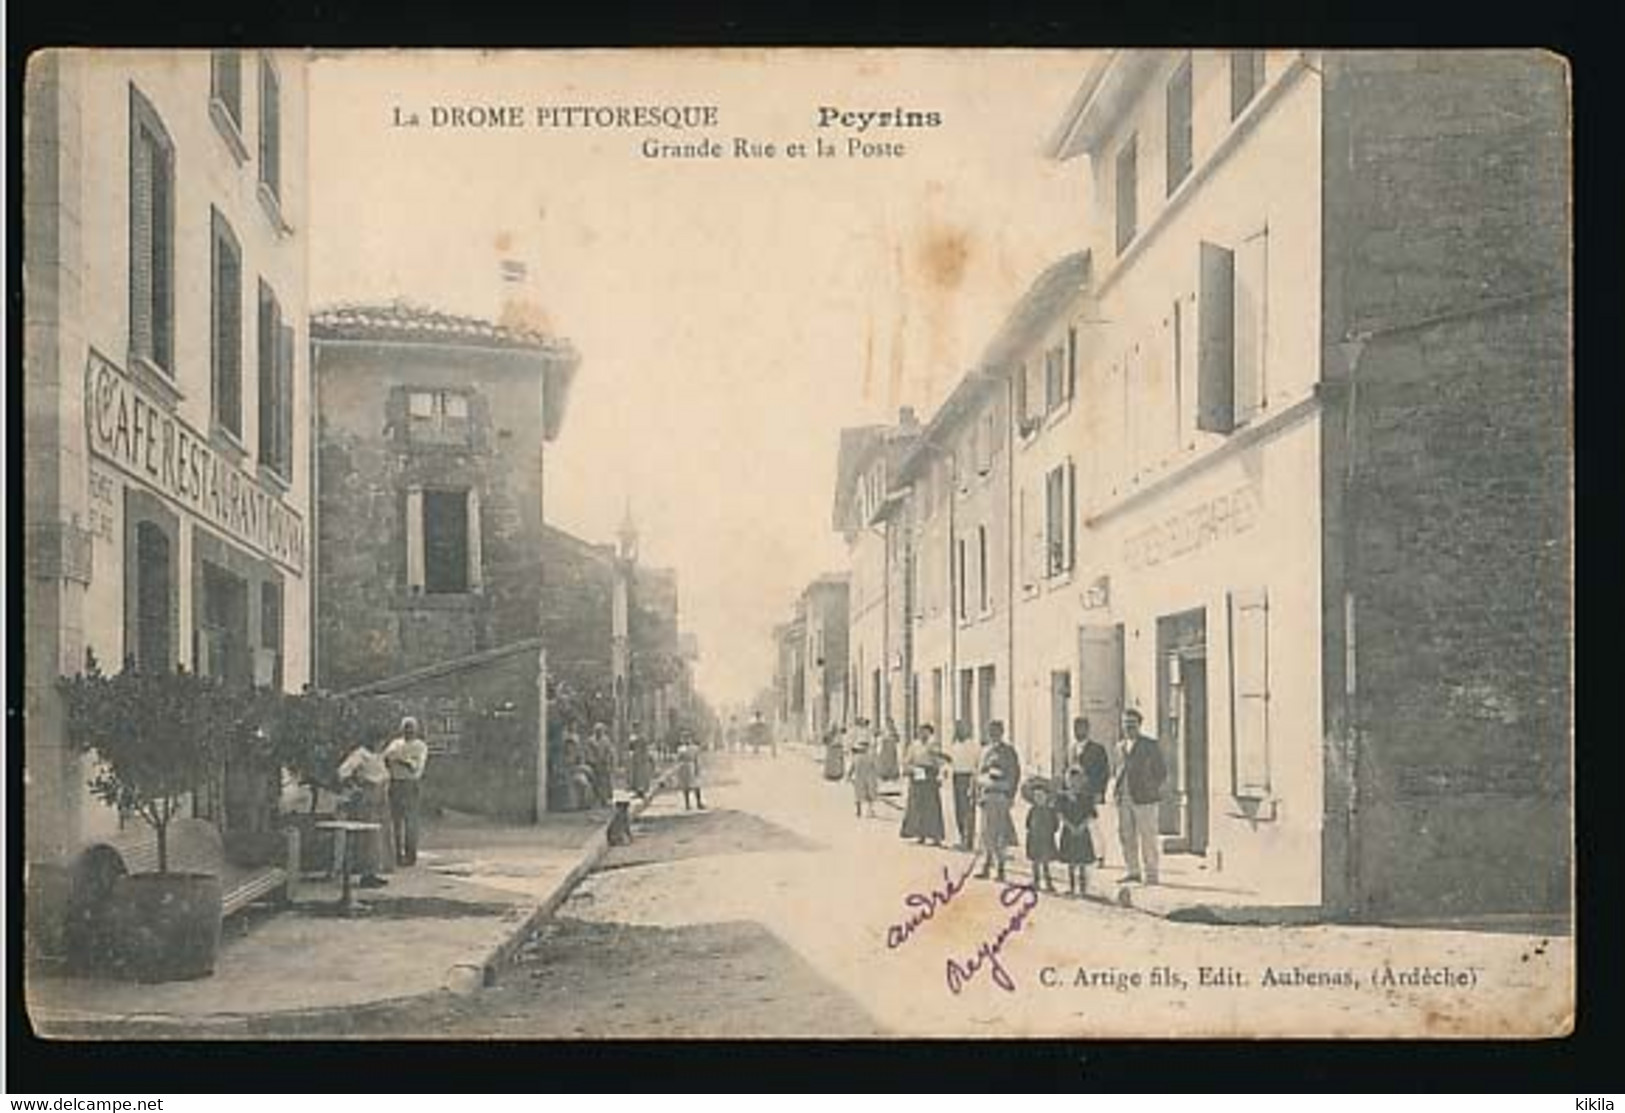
(886, 755)
(922, 819)
(997, 779)
(834, 755)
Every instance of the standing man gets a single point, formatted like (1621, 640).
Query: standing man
(1091, 757)
(998, 778)
(406, 755)
(964, 756)
(601, 759)
(1138, 792)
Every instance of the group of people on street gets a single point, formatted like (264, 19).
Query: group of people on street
(591, 767)
(1062, 820)
(382, 784)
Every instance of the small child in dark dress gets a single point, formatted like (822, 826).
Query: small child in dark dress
(1076, 808)
(1042, 822)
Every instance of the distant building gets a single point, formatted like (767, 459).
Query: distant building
(868, 457)
(823, 610)
(166, 394)
(429, 530)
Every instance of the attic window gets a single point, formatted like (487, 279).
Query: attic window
(438, 416)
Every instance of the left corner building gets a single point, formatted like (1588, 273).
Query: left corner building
(167, 475)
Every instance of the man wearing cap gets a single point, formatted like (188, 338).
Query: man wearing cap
(1138, 792)
(406, 756)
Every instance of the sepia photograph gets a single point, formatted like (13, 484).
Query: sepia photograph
(797, 543)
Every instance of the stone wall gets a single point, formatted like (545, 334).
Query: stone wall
(1447, 253)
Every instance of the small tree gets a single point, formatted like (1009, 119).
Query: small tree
(156, 737)
(313, 731)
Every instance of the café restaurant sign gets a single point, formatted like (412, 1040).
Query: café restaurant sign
(146, 440)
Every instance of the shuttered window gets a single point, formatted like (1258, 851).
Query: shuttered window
(226, 319)
(270, 128)
(1060, 501)
(1249, 693)
(1216, 352)
(284, 383)
(446, 542)
(226, 83)
(961, 575)
(152, 237)
(271, 365)
(1128, 184)
(1069, 385)
(985, 595)
(1246, 75)
(1179, 125)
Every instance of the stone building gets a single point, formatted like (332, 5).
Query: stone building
(429, 530)
(166, 391)
(823, 608)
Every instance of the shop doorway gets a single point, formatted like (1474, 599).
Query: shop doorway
(1182, 723)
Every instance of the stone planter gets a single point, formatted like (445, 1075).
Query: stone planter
(165, 926)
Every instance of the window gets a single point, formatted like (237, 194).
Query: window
(1179, 125)
(275, 385)
(1232, 336)
(270, 128)
(1249, 693)
(226, 84)
(1023, 406)
(226, 326)
(1128, 183)
(1246, 75)
(442, 541)
(1060, 506)
(441, 417)
(984, 595)
(152, 237)
(153, 642)
(962, 573)
(1060, 365)
(268, 662)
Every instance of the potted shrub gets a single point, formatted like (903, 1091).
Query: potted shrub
(155, 736)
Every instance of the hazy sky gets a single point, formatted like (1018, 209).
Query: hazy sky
(732, 315)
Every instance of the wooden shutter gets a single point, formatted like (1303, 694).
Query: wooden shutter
(475, 578)
(226, 315)
(140, 239)
(414, 540)
(1251, 284)
(1071, 514)
(284, 385)
(1215, 342)
(1071, 386)
(1054, 501)
(270, 128)
(1179, 126)
(163, 255)
(1249, 693)
(1100, 678)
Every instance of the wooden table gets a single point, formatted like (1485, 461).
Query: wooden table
(342, 829)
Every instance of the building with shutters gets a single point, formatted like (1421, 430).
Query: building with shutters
(823, 609)
(432, 434)
(166, 394)
(1279, 458)
(1321, 477)
(878, 554)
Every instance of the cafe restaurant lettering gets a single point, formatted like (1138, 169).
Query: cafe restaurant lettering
(147, 441)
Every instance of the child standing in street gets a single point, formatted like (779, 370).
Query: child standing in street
(1076, 808)
(1042, 822)
(688, 772)
(865, 778)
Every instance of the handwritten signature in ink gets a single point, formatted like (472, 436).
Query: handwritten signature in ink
(926, 905)
(1021, 899)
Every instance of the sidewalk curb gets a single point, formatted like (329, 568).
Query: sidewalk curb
(461, 980)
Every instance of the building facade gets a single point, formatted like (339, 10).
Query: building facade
(429, 526)
(1280, 458)
(864, 501)
(166, 389)
(823, 610)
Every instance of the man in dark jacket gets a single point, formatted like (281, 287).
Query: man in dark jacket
(1096, 763)
(1138, 793)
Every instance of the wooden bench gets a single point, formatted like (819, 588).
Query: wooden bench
(195, 846)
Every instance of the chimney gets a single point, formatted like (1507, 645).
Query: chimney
(906, 418)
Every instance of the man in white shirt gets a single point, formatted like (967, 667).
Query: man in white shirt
(406, 756)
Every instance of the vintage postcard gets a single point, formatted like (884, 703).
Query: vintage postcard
(768, 543)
